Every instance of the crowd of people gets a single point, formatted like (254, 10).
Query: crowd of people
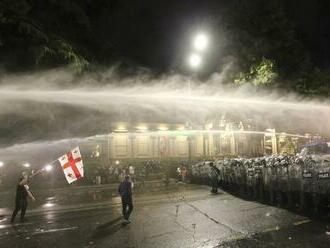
(116, 172)
(292, 181)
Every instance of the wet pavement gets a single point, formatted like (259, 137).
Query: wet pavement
(184, 216)
(75, 195)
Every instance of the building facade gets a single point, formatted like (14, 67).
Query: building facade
(160, 141)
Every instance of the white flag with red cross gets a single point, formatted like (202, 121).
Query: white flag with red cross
(72, 165)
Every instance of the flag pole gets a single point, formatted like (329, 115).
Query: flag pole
(42, 170)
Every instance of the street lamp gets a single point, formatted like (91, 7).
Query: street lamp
(195, 60)
(201, 41)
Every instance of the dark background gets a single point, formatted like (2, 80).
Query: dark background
(281, 44)
(157, 34)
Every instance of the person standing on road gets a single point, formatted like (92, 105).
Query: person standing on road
(131, 170)
(125, 191)
(214, 172)
(178, 171)
(184, 173)
(22, 192)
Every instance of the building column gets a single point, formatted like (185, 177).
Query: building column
(131, 145)
(110, 152)
(205, 145)
(190, 148)
(154, 151)
(232, 144)
(172, 147)
(274, 144)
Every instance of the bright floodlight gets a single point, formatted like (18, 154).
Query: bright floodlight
(195, 60)
(117, 161)
(1, 164)
(201, 42)
(48, 167)
(27, 165)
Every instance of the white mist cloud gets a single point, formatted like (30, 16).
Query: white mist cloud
(55, 104)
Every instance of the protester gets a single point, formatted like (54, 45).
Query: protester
(131, 170)
(125, 191)
(184, 173)
(214, 178)
(116, 173)
(178, 171)
(22, 192)
(142, 174)
(147, 169)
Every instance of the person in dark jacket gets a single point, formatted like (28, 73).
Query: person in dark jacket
(125, 191)
(214, 178)
(22, 193)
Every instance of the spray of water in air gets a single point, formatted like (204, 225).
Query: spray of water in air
(45, 108)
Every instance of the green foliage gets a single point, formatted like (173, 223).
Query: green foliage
(27, 42)
(60, 50)
(262, 73)
(258, 30)
(257, 36)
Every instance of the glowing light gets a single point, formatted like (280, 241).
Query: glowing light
(163, 128)
(48, 167)
(180, 127)
(201, 41)
(26, 165)
(48, 205)
(142, 128)
(117, 162)
(195, 60)
(1, 164)
(121, 128)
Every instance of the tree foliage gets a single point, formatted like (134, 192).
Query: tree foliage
(260, 74)
(267, 48)
(27, 43)
(59, 51)
(263, 41)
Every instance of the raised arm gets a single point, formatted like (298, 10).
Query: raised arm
(37, 173)
(29, 192)
(23, 182)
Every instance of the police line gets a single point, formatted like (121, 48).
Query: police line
(290, 181)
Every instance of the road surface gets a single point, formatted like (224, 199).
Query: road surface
(185, 216)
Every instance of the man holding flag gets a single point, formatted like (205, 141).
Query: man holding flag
(73, 169)
(22, 193)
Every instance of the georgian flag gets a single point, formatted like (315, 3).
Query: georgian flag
(72, 165)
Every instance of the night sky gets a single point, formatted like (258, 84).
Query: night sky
(156, 33)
